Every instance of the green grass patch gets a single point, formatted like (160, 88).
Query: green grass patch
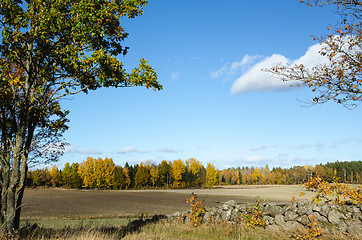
(76, 223)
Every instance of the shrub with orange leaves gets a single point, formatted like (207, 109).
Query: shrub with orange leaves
(197, 210)
(336, 192)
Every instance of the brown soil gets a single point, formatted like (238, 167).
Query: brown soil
(66, 203)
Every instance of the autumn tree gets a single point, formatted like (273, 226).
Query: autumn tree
(86, 171)
(339, 79)
(154, 175)
(119, 179)
(297, 175)
(211, 175)
(66, 175)
(280, 175)
(55, 176)
(104, 170)
(142, 177)
(36, 178)
(75, 179)
(58, 48)
(256, 176)
(177, 173)
(164, 170)
(127, 178)
(194, 169)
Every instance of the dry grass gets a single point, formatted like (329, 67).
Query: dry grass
(165, 230)
(218, 231)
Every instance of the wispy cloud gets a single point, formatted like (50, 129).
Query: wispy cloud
(346, 141)
(322, 146)
(175, 75)
(168, 150)
(130, 150)
(261, 147)
(255, 159)
(255, 79)
(229, 70)
(318, 146)
(76, 150)
(220, 72)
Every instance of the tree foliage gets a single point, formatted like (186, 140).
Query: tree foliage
(148, 175)
(211, 175)
(340, 78)
(49, 50)
(142, 177)
(177, 173)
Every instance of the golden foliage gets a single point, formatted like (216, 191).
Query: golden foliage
(211, 175)
(253, 216)
(177, 172)
(336, 192)
(196, 212)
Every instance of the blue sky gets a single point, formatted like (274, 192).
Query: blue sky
(216, 106)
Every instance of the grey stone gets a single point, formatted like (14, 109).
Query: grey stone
(208, 215)
(290, 216)
(279, 220)
(316, 208)
(226, 215)
(318, 217)
(229, 204)
(235, 215)
(302, 202)
(272, 210)
(242, 207)
(292, 225)
(292, 206)
(324, 210)
(334, 216)
(304, 220)
(302, 210)
(269, 220)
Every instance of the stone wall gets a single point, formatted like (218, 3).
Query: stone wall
(290, 215)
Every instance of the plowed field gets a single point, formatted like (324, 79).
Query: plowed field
(67, 203)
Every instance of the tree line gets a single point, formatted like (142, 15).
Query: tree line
(105, 174)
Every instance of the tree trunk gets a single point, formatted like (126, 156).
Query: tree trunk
(13, 183)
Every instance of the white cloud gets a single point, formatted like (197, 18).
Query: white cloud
(257, 80)
(130, 150)
(254, 79)
(312, 57)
